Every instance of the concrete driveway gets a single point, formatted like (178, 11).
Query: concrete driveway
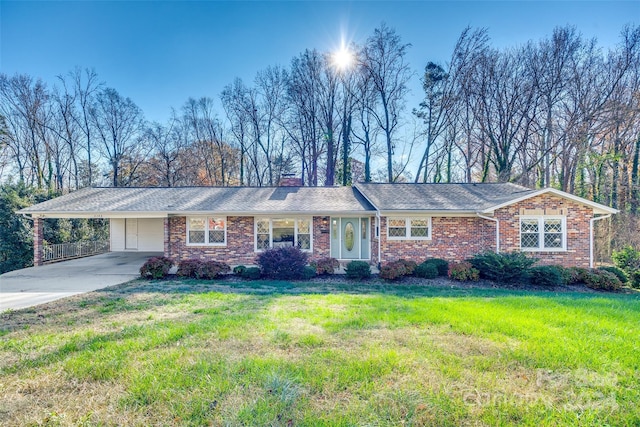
(37, 285)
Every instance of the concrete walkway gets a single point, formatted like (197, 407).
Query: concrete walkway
(37, 285)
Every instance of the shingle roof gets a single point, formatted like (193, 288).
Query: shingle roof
(206, 199)
(441, 197)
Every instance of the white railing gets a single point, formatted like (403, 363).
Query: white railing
(62, 251)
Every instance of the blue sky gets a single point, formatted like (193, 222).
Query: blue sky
(161, 53)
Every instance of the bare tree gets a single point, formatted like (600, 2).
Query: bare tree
(86, 87)
(384, 62)
(118, 124)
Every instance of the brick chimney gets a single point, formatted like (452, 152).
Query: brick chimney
(290, 180)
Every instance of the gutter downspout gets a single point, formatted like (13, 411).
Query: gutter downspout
(497, 221)
(379, 236)
(591, 224)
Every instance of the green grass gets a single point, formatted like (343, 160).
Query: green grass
(279, 353)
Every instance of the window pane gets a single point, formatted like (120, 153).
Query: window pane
(216, 223)
(303, 226)
(196, 236)
(419, 223)
(397, 232)
(262, 242)
(553, 226)
(529, 240)
(196, 224)
(419, 232)
(263, 226)
(529, 226)
(304, 241)
(397, 222)
(283, 232)
(216, 236)
(553, 240)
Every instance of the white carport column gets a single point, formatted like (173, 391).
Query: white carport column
(167, 237)
(38, 241)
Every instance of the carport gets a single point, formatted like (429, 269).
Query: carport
(38, 285)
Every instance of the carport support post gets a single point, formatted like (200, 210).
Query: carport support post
(38, 241)
(167, 237)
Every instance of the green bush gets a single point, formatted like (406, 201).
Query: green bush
(325, 266)
(358, 270)
(209, 270)
(617, 271)
(156, 268)
(239, 269)
(441, 264)
(602, 280)
(251, 273)
(308, 273)
(427, 270)
(283, 263)
(546, 275)
(463, 272)
(505, 267)
(627, 259)
(393, 270)
(634, 279)
(409, 266)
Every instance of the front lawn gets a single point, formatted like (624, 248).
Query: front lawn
(278, 353)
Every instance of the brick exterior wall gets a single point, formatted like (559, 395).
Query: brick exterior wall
(578, 216)
(321, 238)
(38, 241)
(452, 238)
(240, 248)
(458, 238)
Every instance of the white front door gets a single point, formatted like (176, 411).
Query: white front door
(131, 233)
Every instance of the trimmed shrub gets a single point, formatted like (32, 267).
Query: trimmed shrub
(463, 272)
(503, 267)
(358, 270)
(156, 268)
(325, 266)
(602, 280)
(284, 263)
(409, 266)
(239, 269)
(427, 270)
(573, 275)
(308, 273)
(209, 270)
(546, 275)
(441, 264)
(615, 270)
(393, 270)
(251, 273)
(188, 267)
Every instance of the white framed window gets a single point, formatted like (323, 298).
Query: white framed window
(543, 233)
(206, 231)
(409, 228)
(279, 232)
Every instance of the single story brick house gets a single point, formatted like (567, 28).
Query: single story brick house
(372, 222)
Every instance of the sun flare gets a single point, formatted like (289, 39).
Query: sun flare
(343, 59)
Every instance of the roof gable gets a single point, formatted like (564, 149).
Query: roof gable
(597, 207)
